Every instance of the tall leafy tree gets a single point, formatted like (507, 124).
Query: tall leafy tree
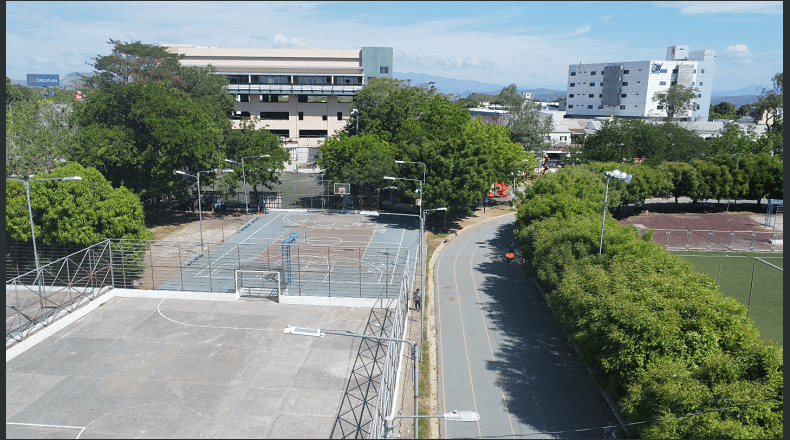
(769, 104)
(361, 160)
(38, 132)
(247, 141)
(138, 134)
(134, 62)
(74, 212)
(723, 110)
(678, 99)
(523, 120)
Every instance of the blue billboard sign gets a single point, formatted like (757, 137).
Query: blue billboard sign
(43, 80)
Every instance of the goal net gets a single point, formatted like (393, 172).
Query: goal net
(258, 283)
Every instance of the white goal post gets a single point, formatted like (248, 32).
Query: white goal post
(258, 283)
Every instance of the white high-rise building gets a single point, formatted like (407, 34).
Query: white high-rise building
(626, 89)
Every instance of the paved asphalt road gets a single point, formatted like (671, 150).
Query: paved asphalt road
(500, 352)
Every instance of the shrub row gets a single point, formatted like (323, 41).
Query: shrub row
(663, 340)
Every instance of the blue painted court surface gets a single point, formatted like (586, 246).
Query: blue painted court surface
(350, 255)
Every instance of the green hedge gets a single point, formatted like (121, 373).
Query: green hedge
(663, 339)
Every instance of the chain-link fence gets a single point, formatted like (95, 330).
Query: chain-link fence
(676, 239)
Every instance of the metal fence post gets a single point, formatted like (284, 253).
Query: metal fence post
(112, 272)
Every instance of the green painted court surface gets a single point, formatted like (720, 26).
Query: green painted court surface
(734, 270)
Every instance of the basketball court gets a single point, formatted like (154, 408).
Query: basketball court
(303, 253)
(143, 367)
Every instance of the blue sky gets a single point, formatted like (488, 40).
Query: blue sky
(530, 44)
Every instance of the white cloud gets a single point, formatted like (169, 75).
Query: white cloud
(581, 30)
(740, 53)
(708, 7)
(280, 41)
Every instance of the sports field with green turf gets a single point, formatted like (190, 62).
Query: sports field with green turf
(734, 270)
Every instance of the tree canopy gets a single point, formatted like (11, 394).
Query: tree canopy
(678, 99)
(74, 212)
(523, 120)
(462, 158)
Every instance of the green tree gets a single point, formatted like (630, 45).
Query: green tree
(769, 104)
(16, 93)
(523, 120)
(384, 106)
(138, 134)
(723, 110)
(134, 62)
(74, 212)
(247, 141)
(360, 160)
(38, 135)
(678, 99)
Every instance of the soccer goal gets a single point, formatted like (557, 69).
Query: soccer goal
(258, 284)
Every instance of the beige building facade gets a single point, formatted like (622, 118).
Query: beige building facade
(302, 95)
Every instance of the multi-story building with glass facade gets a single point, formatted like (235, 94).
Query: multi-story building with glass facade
(302, 95)
(626, 89)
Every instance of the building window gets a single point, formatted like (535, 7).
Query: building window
(323, 118)
(663, 70)
(314, 80)
(242, 98)
(600, 95)
(601, 72)
(622, 107)
(282, 133)
(273, 98)
(700, 83)
(695, 70)
(625, 83)
(301, 116)
(384, 70)
(272, 79)
(348, 80)
(591, 95)
(339, 116)
(592, 73)
(573, 85)
(625, 72)
(660, 107)
(312, 133)
(589, 107)
(692, 83)
(624, 95)
(276, 116)
(699, 96)
(702, 71)
(570, 105)
(662, 83)
(302, 98)
(592, 84)
(240, 115)
(570, 96)
(600, 107)
(573, 73)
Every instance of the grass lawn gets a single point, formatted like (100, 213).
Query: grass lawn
(735, 279)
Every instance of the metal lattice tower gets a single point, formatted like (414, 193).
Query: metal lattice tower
(772, 203)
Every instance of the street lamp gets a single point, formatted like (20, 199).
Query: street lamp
(200, 202)
(355, 112)
(458, 416)
(320, 333)
(617, 174)
(33, 230)
(244, 177)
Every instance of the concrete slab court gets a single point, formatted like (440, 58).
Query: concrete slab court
(153, 367)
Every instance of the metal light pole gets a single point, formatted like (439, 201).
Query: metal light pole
(320, 333)
(355, 112)
(200, 202)
(33, 230)
(617, 174)
(458, 416)
(736, 169)
(244, 177)
(424, 170)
